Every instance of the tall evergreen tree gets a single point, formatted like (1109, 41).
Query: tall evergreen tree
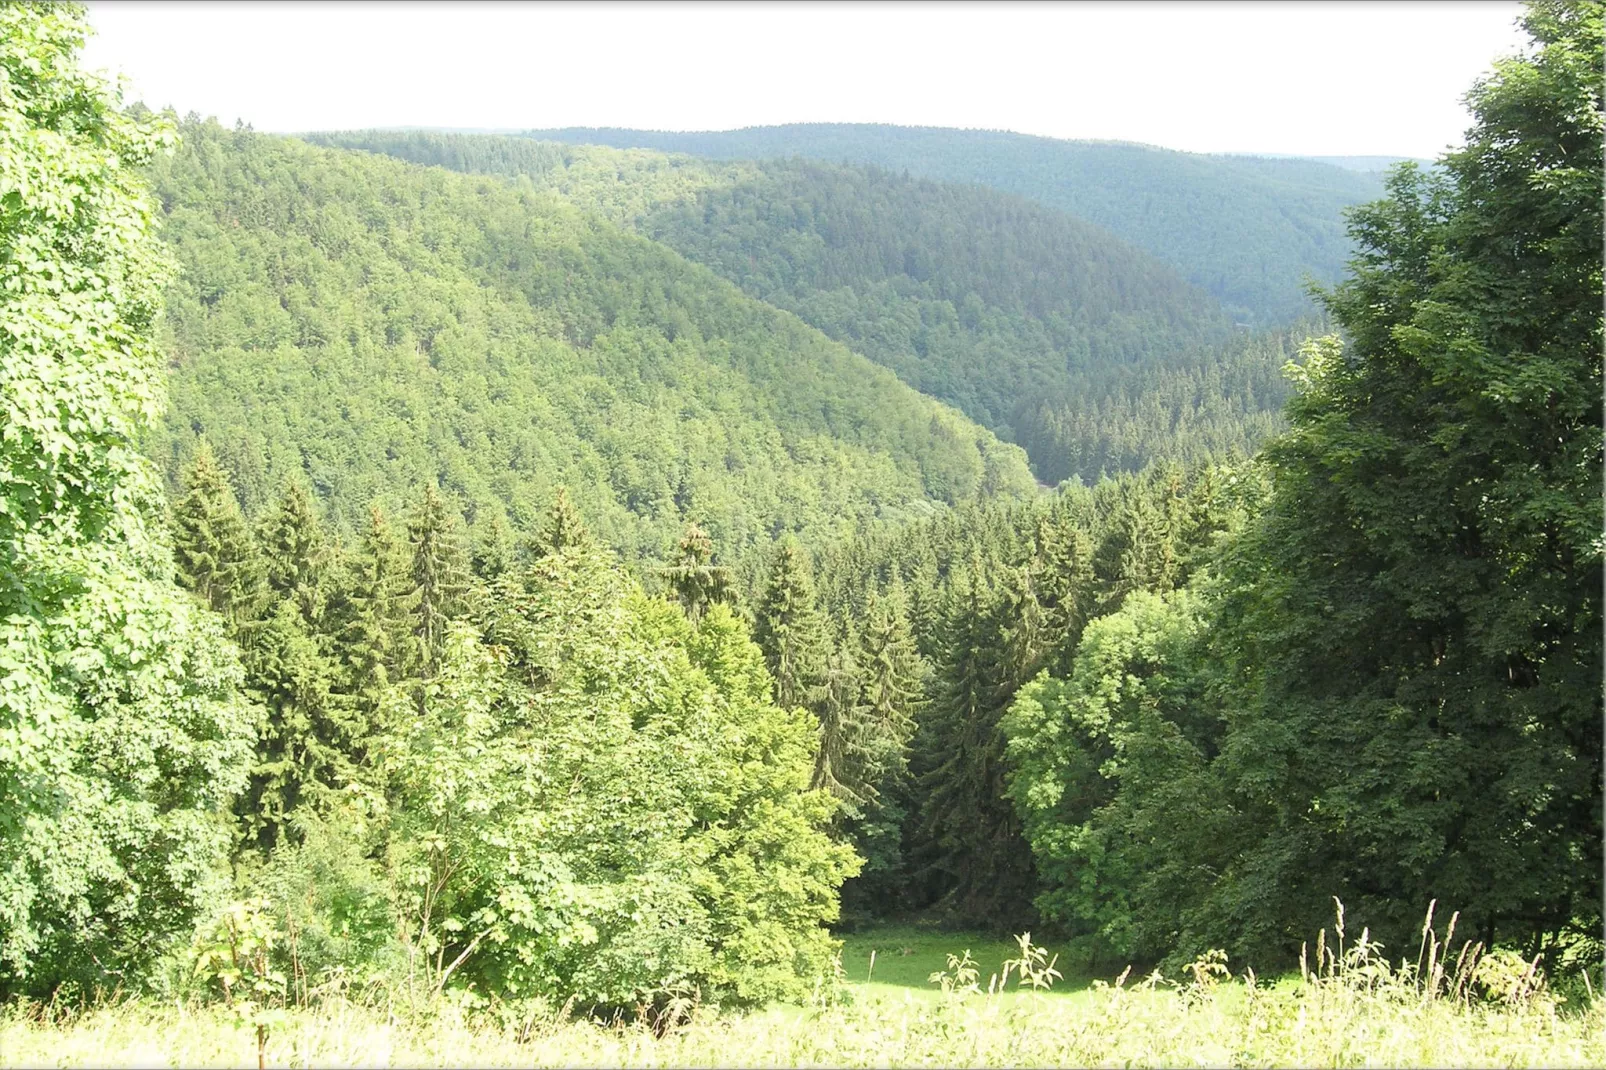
(374, 630)
(695, 580)
(212, 546)
(492, 550)
(1023, 628)
(304, 737)
(439, 578)
(789, 630)
(296, 555)
(1064, 581)
(893, 674)
(971, 851)
(842, 760)
(893, 685)
(926, 601)
(310, 726)
(565, 528)
(1136, 551)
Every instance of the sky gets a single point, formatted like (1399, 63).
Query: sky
(1291, 78)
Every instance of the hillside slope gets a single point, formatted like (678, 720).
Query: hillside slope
(1245, 229)
(368, 325)
(1052, 331)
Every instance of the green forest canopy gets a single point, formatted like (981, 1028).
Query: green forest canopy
(1091, 354)
(368, 326)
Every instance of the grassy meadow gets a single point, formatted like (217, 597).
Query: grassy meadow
(1357, 1010)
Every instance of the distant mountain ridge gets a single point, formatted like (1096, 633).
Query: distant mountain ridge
(1246, 229)
(1364, 164)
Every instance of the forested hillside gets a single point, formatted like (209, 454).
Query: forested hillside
(1091, 354)
(369, 326)
(1245, 229)
(447, 605)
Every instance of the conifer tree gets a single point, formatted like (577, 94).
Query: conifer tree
(841, 763)
(1023, 632)
(493, 552)
(971, 848)
(373, 635)
(1136, 552)
(212, 546)
(310, 728)
(696, 581)
(304, 739)
(926, 602)
(565, 529)
(1206, 513)
(296, 555)
(789, 631)
(893, 681)
(1064, 573)
(893, 673)
(439, 579)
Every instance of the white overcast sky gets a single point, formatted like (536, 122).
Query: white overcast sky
(1304, 78)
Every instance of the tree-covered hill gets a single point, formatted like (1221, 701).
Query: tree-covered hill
(1089, 352)
(367, 325)
(1246, 229)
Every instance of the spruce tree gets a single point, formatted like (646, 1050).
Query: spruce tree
(695, 580)
(1136, 552)
(1205, 514)
(565, 529)
(296, 555)
(789, 631)
(893, 680)
(841, 763)
(374, 631)
(1064, 573)
(973, 857)
(310, 728)
(439, 579)
(304, 738)
(893, 674)
(1023, 632)
(926, 602)
(493, 551)
(212, 546)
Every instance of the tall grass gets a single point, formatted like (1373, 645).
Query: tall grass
(1348, 1006)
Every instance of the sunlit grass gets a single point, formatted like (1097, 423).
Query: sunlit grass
(1351, 1009)
(1098, 1029)
(906, 957)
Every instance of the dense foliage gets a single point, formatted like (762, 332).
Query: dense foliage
(1090, 354)
(503, 765)
(369, 326)
(122, 737)
(1393, 693)
(994, 594)
(536, 614)
(516, 770)
(1245, 229)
